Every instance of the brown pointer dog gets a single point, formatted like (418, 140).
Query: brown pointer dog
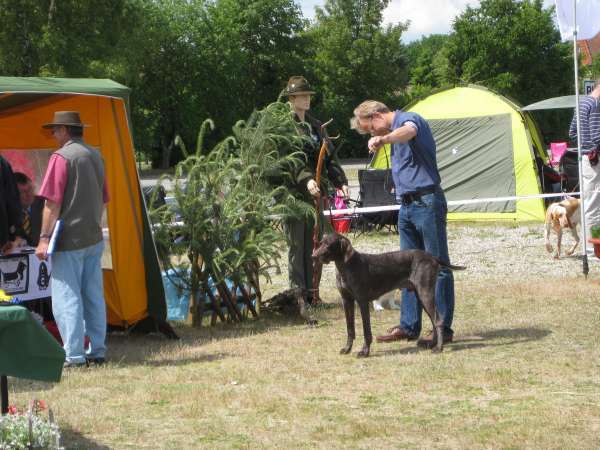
(362, 278)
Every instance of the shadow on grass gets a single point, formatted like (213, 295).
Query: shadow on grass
(492, 338)
(71, 439)
(155, 350)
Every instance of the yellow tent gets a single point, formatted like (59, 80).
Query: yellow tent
(132, 283)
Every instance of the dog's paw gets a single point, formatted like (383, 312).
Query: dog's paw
(549, 248)
(556, 256)
(345, 350)
(364, 353)
(437, 350)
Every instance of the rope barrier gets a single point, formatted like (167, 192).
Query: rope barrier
(373, 209)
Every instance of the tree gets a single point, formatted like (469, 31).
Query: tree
(58, 38)
(250, 47)
(428, 64)
(512, 47)
(354, 58)
(163, 66)
(193, 59)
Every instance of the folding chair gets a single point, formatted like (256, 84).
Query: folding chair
(376, 188)
(568, 168)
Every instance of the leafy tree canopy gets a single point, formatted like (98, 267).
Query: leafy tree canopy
(512, 47)
(353, 57)
(428, 64)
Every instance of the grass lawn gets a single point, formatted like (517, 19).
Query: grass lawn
(523, 372)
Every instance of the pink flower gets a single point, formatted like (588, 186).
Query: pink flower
(41, 405)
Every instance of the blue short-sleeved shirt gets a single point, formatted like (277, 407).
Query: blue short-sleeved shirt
(414, 163)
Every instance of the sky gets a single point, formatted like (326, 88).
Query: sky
(426, 16)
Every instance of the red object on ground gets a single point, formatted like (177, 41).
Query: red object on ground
(596, 242)
(341, 224)
(53, 330)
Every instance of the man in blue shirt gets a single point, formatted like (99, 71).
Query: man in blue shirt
(422, 216)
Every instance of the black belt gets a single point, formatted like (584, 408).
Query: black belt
(407, 199)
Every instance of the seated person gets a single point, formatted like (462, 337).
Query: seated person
(31, 216)
(32, 207)
(10, 219)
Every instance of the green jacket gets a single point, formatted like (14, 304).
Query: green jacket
(332, 172)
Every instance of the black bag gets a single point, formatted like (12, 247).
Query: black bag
(569, 169)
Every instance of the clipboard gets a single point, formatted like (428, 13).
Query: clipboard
(54, 237)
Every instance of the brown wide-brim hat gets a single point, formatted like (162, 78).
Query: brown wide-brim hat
(66, 118)
(297, 86)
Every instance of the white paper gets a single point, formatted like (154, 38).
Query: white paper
(54, 237)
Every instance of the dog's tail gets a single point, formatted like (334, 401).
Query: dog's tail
(449, 266)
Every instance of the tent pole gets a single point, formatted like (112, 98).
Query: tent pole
(585, 267)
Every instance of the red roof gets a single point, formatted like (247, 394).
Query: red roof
(590, 49)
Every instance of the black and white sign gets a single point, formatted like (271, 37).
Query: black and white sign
(24, 276)
(588, 87)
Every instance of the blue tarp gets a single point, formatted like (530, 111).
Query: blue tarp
(178, 297)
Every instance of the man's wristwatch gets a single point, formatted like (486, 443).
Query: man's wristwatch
(44, 236)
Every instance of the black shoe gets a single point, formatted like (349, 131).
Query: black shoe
(75, 365)
(95, 361)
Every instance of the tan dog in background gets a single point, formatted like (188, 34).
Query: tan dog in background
(559, 215)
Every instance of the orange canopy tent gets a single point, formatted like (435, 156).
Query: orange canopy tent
(133, 288)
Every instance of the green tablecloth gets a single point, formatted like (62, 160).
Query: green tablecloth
(27, 350)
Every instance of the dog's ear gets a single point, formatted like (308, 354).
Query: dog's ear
(346, 248)
(564, 221)
(555, 220)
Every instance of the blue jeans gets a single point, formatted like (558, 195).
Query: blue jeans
(422, 225)
(78, 301)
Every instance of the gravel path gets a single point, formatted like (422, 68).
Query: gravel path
(491, 251)
(516, 253)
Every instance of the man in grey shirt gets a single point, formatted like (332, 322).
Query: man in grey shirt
(75, 191)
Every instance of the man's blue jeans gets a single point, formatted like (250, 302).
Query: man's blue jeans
(78, 301)
(422, 225)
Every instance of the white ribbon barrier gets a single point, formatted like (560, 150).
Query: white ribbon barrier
(373, 209)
